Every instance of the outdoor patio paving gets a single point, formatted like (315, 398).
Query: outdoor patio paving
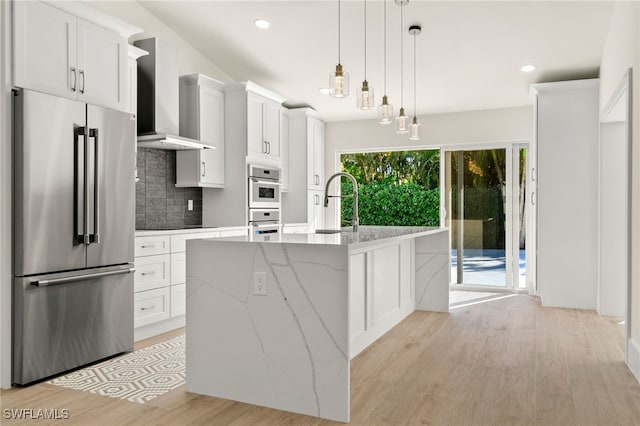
(486, 267)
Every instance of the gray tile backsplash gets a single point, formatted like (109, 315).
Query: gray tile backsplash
(159, 204)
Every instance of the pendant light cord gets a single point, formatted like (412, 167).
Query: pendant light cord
(401, 57)
(385, 47)
(415, 113)
(338, 31)
(365, 40)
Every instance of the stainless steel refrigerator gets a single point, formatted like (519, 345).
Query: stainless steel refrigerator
(74, 224)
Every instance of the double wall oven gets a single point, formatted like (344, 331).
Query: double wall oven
(264, 199)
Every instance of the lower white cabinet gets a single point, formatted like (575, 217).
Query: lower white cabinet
(151, 272)
(178, 268)
(151, 306)
(161, 275)
(295, 228)
(178, 300)
(315, 210)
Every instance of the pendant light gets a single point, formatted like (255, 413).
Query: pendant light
(414, 130)
(339, 79)
(385, 110)
(365, 92)
(401, 120)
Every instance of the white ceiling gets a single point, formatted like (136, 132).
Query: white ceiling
(469, 53)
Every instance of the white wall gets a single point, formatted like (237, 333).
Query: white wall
(470, 127)
(5, 201)
(622, 51)
(191, 60)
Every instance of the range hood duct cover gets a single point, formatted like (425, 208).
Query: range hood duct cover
(158, 98)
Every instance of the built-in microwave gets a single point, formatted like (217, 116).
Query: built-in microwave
(264, 187)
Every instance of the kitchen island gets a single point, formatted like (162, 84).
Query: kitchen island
(274, 320)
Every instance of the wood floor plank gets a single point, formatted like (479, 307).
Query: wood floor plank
(504, 360)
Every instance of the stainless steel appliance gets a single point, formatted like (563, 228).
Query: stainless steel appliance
(74, 221)
(265, 221)
(158, 98)
(264, 187)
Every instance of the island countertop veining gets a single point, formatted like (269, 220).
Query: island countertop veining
(274, 320)
(364, 236)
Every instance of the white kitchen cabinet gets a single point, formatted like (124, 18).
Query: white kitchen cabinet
(102, 66)
(151, 272)
(315, 153)
(151, 306)
(263, 127)
(295, 228)
(305, 169)
(201, 118)
(284, 149)
(151, 245)
(57, 52)
(44, 49)
(564, 199)
(132, 77)
(315, 210)
(178, 300)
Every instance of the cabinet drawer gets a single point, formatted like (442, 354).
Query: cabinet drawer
(178, 268)
(148, 246)
(151, 272)
(178, 241)
(178, 300)
(151, 306)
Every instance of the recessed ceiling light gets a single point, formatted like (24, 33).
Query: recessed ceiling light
(324, 90)
(528, 68)
(262, 24)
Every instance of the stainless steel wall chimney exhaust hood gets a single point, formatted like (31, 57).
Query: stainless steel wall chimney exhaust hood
(158, 99)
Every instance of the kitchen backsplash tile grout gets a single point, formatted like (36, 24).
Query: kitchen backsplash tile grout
(159, 203)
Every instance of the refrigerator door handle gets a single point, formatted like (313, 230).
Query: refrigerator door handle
(95, 237)
(54, 281)
(81, 180)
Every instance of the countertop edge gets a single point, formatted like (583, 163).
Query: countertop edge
(151, 232)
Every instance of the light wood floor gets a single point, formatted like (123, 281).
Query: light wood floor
(504, 361)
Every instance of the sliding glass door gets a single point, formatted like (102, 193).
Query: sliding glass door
(484, 208)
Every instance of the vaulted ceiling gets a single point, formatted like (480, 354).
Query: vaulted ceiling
(469, 54)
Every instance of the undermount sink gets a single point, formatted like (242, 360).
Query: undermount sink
(329, 231)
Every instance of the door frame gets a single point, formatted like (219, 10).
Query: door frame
(618, 109)
(511, 147)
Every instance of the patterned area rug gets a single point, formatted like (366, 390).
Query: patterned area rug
(137, 377)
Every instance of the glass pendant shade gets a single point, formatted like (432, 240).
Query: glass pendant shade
(365, 96)
(385, 112)
(402, 123)
(414, 130)
(339, 83)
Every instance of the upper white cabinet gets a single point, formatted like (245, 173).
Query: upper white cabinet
(253, 121)
(305, 168)
(132, 78)
(202, 118)
(284, 148)
(315, 152)
(263, 127)
(56, 51)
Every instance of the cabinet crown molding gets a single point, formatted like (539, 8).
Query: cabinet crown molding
(252, 87)
(96, 16)
(556, 86)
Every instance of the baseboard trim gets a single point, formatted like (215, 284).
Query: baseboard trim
(154, 329)
(633, 358)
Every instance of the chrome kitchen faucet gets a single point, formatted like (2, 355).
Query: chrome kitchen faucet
(355, 196)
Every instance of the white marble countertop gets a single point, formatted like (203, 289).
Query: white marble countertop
(366, 235)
